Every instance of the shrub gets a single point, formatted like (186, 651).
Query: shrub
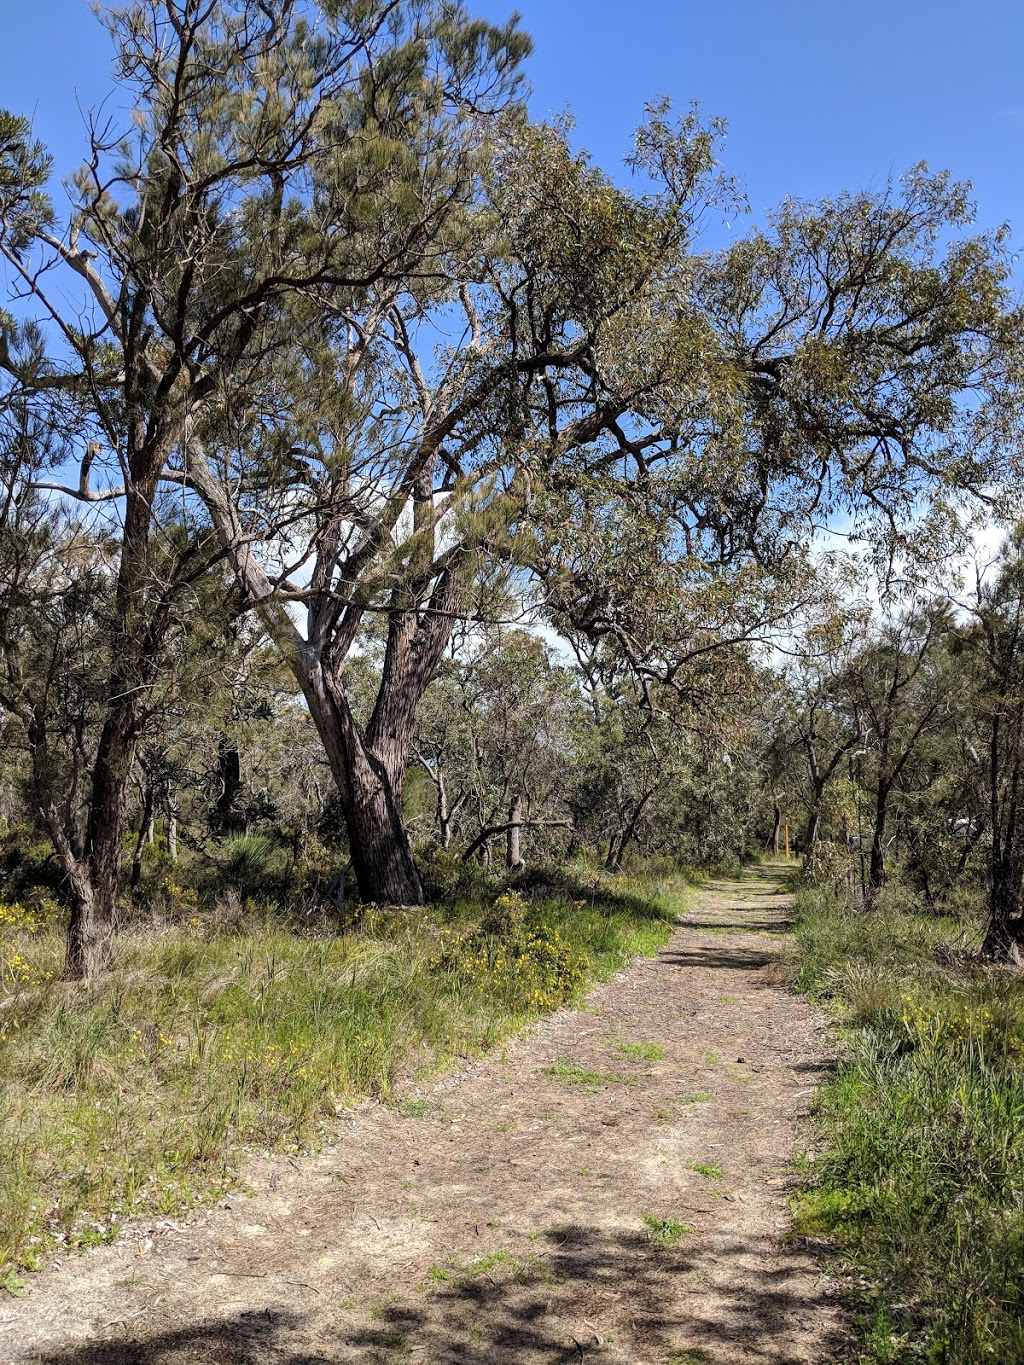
(513, 954)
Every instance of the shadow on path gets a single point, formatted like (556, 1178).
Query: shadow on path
(513, 1312)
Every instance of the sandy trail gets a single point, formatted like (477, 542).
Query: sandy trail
(506, 1222)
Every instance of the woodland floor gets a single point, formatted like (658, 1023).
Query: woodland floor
(497, 1214)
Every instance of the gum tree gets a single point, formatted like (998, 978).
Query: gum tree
(278, 153)
(646, 435)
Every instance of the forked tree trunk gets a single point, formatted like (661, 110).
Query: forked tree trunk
(368, 770)
(371, 801)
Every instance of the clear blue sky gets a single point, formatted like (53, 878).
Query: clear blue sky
(819, 94)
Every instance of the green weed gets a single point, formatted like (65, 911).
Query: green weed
(577, 1075)
(413, 1109)
(665, 1231)
(648, 1052)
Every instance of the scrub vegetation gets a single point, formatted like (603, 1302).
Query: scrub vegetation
(920, 1185)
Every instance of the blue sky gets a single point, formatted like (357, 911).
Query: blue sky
(819, 94)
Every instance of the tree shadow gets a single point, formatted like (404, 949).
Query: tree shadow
(250, 1337)
(777, 926)
(507, 1310)
(541, 883)
(734, 958)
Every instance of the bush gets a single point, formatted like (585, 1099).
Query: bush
(249, 863)
(514, 955)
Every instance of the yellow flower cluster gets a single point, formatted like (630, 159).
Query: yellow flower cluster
(20, 918)
(950, 1028)
(508, 957)
(185, 897)
(269, 1057)
(149, 1044)
(17, 972)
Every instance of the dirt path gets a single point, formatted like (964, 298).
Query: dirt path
(500, 1217)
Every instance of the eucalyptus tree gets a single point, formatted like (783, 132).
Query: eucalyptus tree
(992, 643)
(897, 692)
(646, 433)
(277, 152)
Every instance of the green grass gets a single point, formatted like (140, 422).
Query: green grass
(665, 1231)
(646, 1052)
(921, 1187)
(413, 1109)
(708, 1169)
(143, 1092)
(589, 1080)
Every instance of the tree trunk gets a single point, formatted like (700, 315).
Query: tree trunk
(379, 843)
(513, 854)
(94, 887)
(1004, 938)
(172, 826)
(369, 771)
(812, 831)
(876, 864)
(613, 862)
(229, 819)
(145, 824)
(776, 827)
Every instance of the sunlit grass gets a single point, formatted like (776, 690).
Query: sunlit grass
(143, 1091)
(922, 1184)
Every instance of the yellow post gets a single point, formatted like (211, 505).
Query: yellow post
(787, 841)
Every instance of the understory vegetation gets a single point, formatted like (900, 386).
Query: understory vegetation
(920, 1185)
(214, 1033)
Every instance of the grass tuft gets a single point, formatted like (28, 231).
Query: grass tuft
(647, 1052)
(665, 1231)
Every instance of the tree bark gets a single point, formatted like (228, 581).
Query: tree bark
(94, 896)
(382, 858)
(876, 863)
(513, 850)
(172, 826)
(229, 818)
(1004, 938)
(145, 825)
